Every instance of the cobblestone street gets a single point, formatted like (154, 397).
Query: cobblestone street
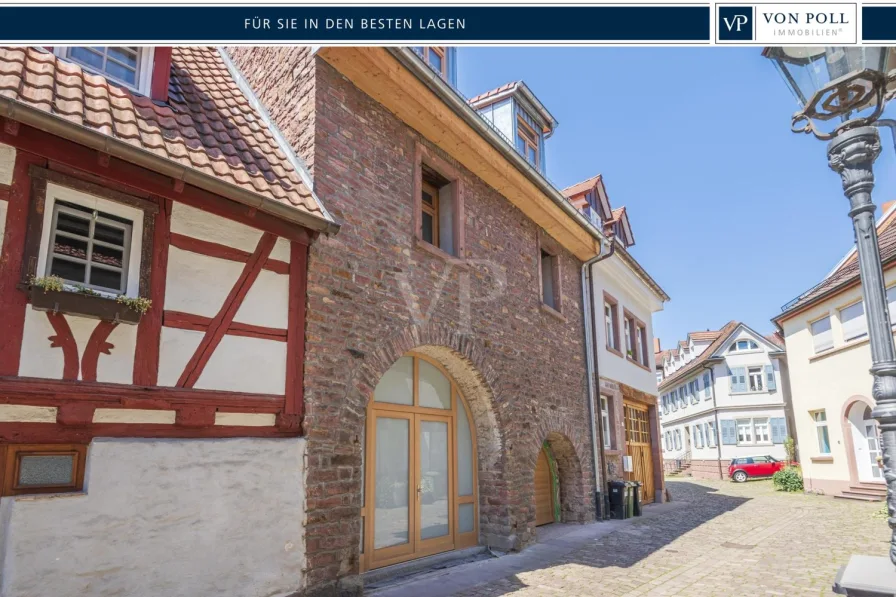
(714, 539)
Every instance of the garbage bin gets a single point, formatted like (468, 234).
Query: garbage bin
(629, 499)
(617, 499)
(637, 498)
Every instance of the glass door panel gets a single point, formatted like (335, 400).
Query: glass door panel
(393, 489)
(435, 489)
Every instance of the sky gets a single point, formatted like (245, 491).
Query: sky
(733, 214)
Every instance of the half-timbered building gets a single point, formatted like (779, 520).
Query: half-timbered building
(155, 231)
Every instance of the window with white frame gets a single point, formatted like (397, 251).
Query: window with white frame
(127, 65)
(605, 420)
(610, 318)
(821, 431)
(822, 336)
(753, 431)
(698, 436)
(743, 345)
(91, 242)
(744, 431)
(677, 437)
(853, 322)
(707, 386)
(89, 248)
(754, 376)
(711, 434)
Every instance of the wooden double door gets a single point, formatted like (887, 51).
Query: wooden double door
(638, 447)
(420, 473)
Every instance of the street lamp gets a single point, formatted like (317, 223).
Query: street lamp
(841, 92)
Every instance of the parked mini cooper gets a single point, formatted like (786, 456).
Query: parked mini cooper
(742, 469)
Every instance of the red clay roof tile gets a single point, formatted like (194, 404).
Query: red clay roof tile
(208, 124)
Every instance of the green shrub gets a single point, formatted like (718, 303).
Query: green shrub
(789, 478)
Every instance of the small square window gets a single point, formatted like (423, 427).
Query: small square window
(89, 248)
(43, 468)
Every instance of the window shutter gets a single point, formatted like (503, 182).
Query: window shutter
(770, 377)
(779, 430)
(741, 374)
(729, 432)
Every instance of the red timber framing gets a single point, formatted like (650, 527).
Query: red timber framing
(76, 400)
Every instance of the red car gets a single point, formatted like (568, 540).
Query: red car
(742, 469)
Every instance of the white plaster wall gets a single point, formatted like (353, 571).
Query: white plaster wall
(827, 381)
(175, 350)
(267, 302)
(37, 359)
(7, 162)
(203, 225)
(198, 284)
(241, 364)
(617, 280)
(281, 250)
(179, 518)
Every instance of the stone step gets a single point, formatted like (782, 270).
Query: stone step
(861, 497)
(868, 490)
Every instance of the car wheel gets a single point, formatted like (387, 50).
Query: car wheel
(739, 476)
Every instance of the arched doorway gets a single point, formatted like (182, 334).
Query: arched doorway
(865, 443)
(421, 489)
(546, 502)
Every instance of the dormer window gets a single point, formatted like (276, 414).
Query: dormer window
(438, 58)
(743, 345)
(129, 66)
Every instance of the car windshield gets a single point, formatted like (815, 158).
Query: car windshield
(771, 459)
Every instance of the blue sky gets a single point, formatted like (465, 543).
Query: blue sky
(732, 213)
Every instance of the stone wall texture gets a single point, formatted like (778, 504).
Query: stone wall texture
(180, 518)
(374, 294)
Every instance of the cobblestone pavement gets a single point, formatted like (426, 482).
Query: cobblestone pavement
(715, 539)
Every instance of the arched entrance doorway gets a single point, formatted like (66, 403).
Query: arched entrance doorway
(865, 442)
(547, 504)
(420, 486)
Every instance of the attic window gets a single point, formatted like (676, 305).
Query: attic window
(743, 345)
(130, 66)
(436, 57)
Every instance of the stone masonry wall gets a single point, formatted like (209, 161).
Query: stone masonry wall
(373, 294)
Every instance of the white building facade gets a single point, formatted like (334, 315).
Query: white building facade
(722, 398)
(826, 335)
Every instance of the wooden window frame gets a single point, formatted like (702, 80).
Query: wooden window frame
(547, 246)
(530, 140)
(442, 52)
(431, 210)
(639, 350)
(424, 157)
(11, 462)
(614, 315)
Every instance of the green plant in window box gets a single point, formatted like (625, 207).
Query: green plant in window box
(87, 291)
(139, 304)
(48, 283)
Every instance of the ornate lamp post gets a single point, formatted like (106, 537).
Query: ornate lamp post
(841, 92)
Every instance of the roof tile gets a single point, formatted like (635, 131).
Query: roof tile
(208, 123)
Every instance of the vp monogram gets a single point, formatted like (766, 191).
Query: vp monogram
(738, 21)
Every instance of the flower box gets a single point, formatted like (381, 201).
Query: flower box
(83, 305)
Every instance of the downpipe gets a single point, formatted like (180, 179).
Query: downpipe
(591, 365)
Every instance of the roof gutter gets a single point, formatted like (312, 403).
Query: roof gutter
(446, 93)
(55, 125)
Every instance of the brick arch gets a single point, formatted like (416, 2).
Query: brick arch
(465, 361)
(567, 441)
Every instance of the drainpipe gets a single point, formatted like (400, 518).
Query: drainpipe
(597, 443)
(715, 412)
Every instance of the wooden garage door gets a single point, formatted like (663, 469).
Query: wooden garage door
(544, 495)
(637, 445)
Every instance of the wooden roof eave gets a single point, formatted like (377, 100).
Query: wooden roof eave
(382, 76)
